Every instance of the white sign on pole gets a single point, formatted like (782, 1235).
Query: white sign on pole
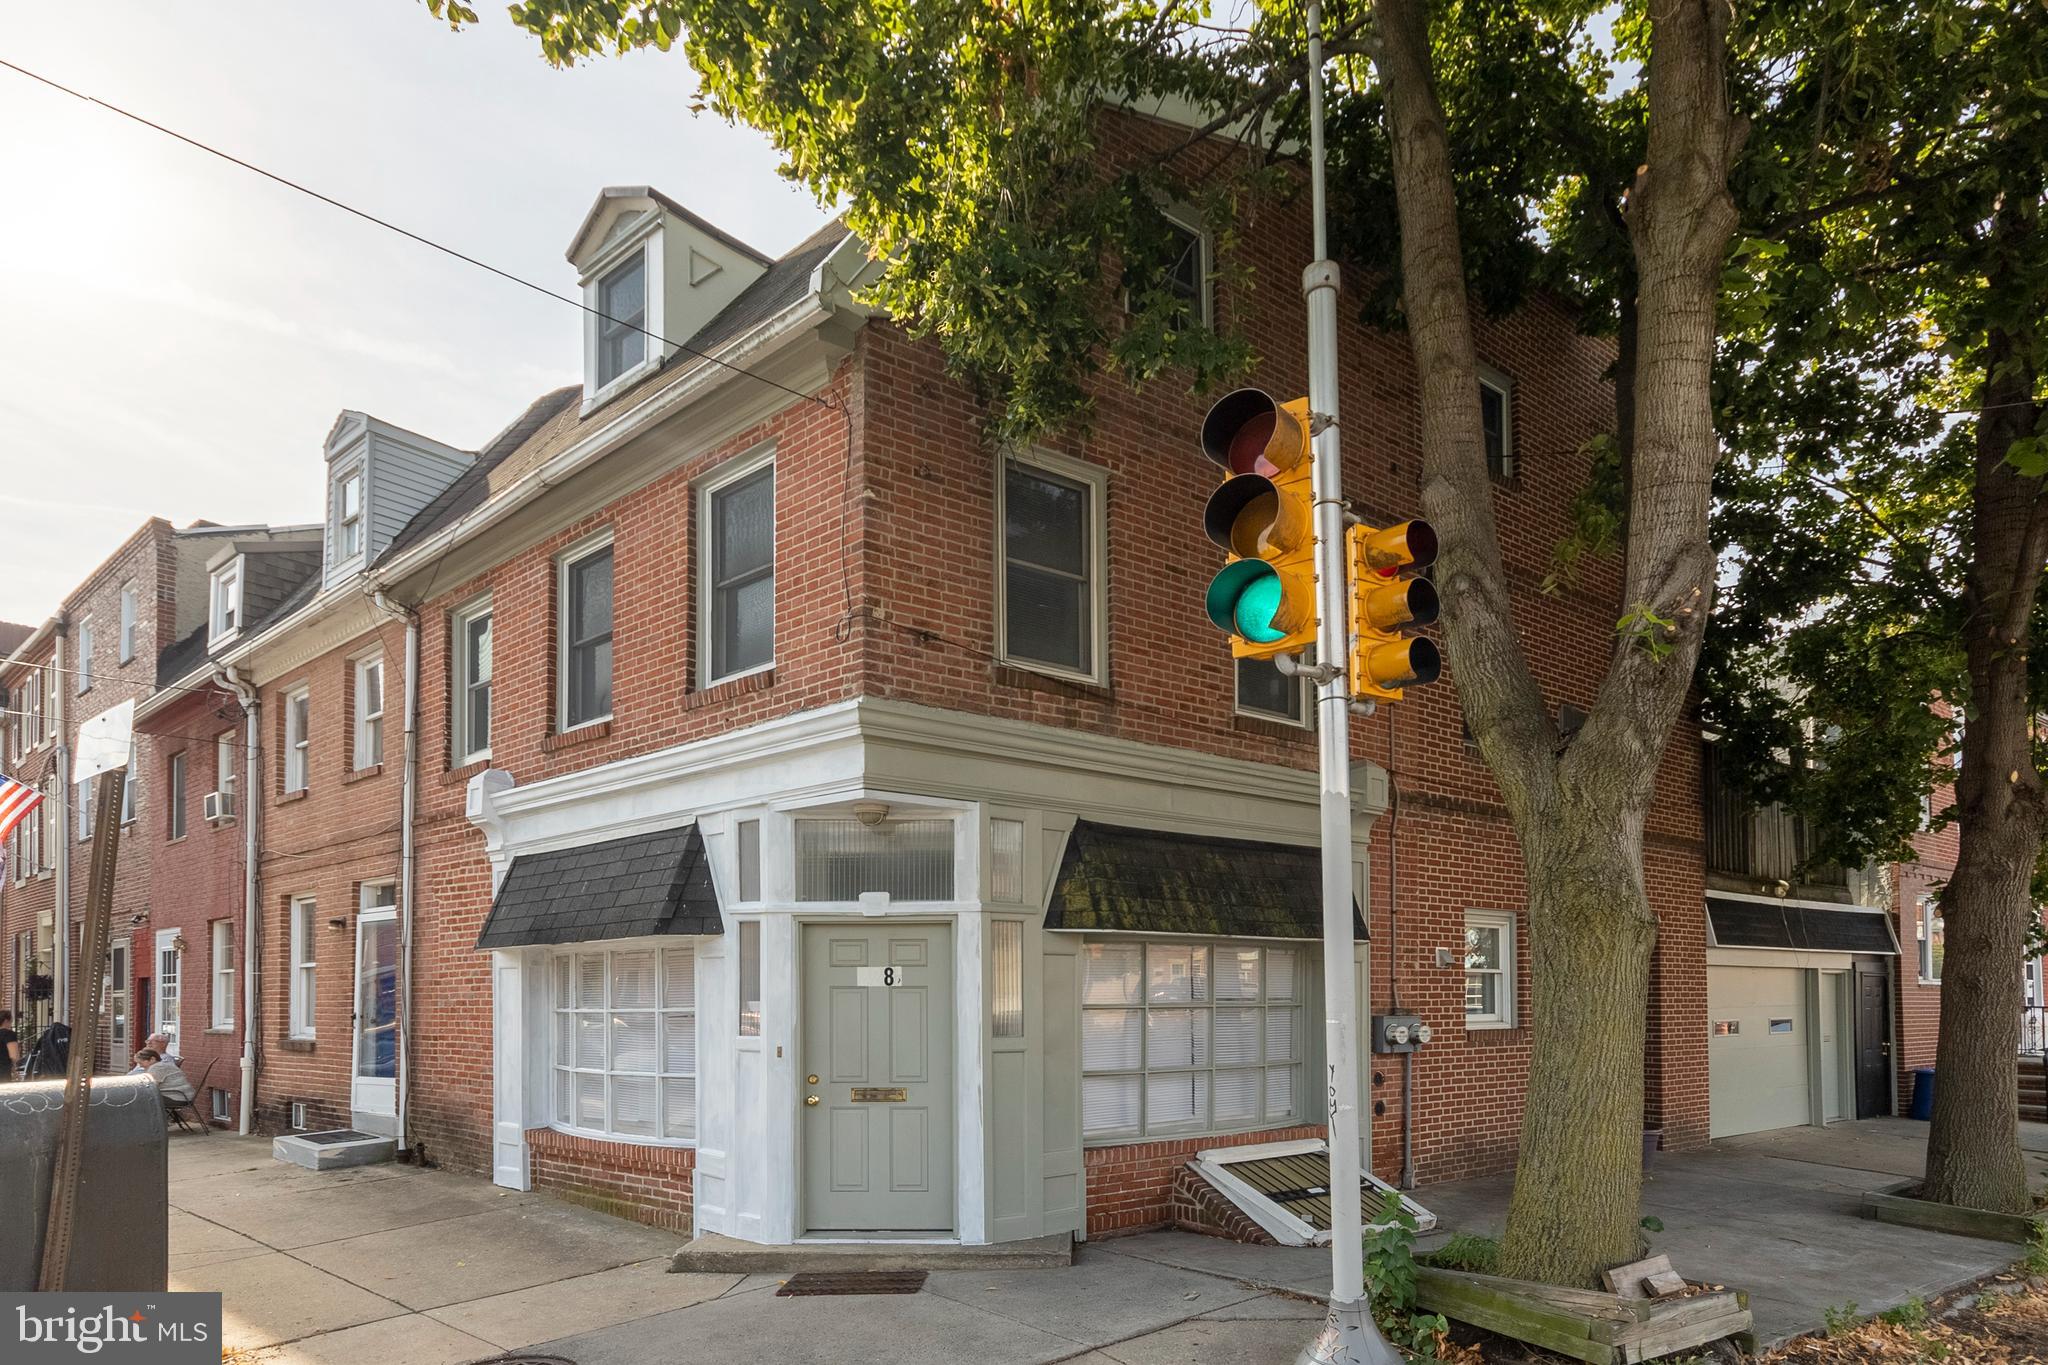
(104, 742)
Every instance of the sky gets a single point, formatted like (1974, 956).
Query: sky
(177, 335)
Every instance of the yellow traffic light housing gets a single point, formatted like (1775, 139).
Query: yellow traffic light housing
(1262, 514)
(1383, 602)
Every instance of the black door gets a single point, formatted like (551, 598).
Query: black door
(1873, 1039)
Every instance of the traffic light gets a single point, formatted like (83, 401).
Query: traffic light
(1383, 601)
(1262, 514)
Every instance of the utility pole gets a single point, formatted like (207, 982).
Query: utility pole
(1348, 1335)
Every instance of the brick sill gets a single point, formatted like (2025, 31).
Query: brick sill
(1270, 729)
(731, 687)
(582, 734)
(286, 798)
(1030, 680)
(295, 1044)
(457, 776)
(227, 1032)
(363, 774)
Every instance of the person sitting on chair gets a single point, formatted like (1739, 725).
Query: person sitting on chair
(170, 1081)
(160, 1044)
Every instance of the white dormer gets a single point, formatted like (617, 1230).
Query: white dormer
(378, 477)
(653, 274)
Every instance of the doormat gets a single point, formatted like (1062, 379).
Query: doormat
(851, 1282)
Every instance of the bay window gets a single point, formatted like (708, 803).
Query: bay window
(625, 1042)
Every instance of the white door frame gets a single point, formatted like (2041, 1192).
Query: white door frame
(120, 1023)
(167, 1021)
(373, 1101)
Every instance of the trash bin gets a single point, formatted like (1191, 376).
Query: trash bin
(1923, 1094)
(120, 1237)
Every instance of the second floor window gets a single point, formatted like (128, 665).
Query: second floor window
(85, 654)
(127, 650)
(1051, 569)
(86, 810)
(348, 497)
(586, 636)
(224, 764)
(369, 736)
(1933, 938)
(470, 726)
(174, 795)
(1497, 423)
(739, 574)
(298, 709)
(622, 306)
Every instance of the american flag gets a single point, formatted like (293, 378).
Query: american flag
(17, 799)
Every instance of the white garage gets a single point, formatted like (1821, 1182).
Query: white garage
(1757, 1059)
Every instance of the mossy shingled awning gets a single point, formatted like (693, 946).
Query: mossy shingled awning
(1114, 878)
(643, 884)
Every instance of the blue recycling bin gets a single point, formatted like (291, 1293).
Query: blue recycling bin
(1923, 1094)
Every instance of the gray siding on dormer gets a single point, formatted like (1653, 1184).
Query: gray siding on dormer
(402, 472)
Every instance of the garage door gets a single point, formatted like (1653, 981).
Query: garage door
(1756, 1050)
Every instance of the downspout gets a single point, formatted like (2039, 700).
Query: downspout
(60, 716)
(251, 901)
(408, 803)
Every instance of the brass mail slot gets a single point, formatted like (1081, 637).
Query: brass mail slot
(875, 1094)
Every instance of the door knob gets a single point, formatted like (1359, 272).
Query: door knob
(810, 1099)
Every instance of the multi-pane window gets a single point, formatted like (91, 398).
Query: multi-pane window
(297, 738)
(1050, 569)
(1189, 1037)
(1496, 422)
(1932, 933)
(1264, 691)
(227, 599)
(127, 642)
(223, 1015)
(622, 318)
(369, 737)
(169, 987)
(470, 726)
(838, 860)
(586, 631)
(224, 765)
(304, 947)
(85, 654)
(625, 1042)
(174, 794)
(1489, 969)
(348, 498)
(739, 575)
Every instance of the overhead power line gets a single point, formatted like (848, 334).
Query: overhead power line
(421, 238)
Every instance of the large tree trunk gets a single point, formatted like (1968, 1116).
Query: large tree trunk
(1973, 1152)
(1578, 809)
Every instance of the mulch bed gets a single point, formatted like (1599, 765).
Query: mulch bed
(1989, 1325)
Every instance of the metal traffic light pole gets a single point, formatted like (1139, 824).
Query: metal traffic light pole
(1348, 1335)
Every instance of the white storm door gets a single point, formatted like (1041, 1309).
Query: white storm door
(373, 1089)
(167, 961)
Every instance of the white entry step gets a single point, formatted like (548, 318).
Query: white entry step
(333, 1149)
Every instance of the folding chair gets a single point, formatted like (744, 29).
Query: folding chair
(175, 1110)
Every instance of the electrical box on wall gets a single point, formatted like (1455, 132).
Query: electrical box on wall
(1398, 1032)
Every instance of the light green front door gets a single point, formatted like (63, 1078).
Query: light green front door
(878, 1067)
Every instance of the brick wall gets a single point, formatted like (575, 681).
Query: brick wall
(1130, 1187)
(646, 1184)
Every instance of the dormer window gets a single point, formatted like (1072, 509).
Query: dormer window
(622, 306)
(226, 613)
(348, 500)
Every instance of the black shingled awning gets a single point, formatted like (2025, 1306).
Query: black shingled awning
(1114, 878)
(633, 887)
(1817, 929)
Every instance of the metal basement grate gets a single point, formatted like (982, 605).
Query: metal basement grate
(526, 1358)
(851, 1282)
(332, 1136)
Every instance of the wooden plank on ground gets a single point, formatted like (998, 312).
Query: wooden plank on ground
(1627, 1280)
(1690, 1324)
(1500, 1305)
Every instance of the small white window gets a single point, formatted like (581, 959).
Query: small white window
(127, 622)
(223, 975)
(87, 807)
(750, 978)
(298, 706)
(1933, 935)
(348, 507)
(85, 655)
(225, 761)
(747, 838)
(1497, 422)
(1267, 693)
(1188, 276)
(303, 927)
(622, 320)
(625, 1042)
(369, 737)
(737, 534)
(1050, 582)
(1489, 969)
(174, 794)
(469, 725)
(221, 1099)
(226, 597)
(131, 790)
(584, 627)
(1006, 861)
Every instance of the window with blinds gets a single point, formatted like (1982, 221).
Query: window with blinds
(1181, 1038)
(625, 1042)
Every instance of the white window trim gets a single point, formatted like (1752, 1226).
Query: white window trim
(177, 794)
(130, 609)
(460, 620)
(1096, 478)
(227, 574)
(1504, 385)
(1306, 721)
(298, 739)
(304, 969)
(341, 476)
(1926, 910)
(221, 962)
(646, 238)
(696, 1011)
(83, 674)
(167, 941)
(363, 667)
(1503, 920)
(566, 560)
(1205, 252)
(726, 475)
(226, 775)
